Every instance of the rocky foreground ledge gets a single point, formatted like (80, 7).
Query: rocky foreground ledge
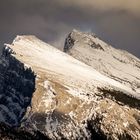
(52, 95)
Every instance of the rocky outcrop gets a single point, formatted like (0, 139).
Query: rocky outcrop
(68, 99)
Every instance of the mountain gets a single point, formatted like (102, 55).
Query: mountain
(114, 63)
(45, 90)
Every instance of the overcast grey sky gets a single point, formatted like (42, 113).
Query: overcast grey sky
(115, 21)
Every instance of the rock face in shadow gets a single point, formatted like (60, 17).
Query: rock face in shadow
(9, 133)
(67, 99)
(17, 85)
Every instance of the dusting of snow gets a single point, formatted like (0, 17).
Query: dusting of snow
(48, 97)
(27, 66)
(125, 124)
(71, 114)
(51, 125)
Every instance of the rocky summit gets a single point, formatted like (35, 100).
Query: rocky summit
(89, 91)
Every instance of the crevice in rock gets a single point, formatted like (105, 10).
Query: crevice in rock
(120, 97)
(93, 126)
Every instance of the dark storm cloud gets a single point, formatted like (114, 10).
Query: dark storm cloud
(117, 22)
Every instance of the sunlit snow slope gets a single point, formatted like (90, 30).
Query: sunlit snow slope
(68, 70)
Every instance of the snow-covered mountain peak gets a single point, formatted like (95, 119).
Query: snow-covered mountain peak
(114, 63)
(50, 91)
(84, 38)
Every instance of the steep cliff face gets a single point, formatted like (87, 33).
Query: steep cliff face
(17, 84)
(71, 99)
